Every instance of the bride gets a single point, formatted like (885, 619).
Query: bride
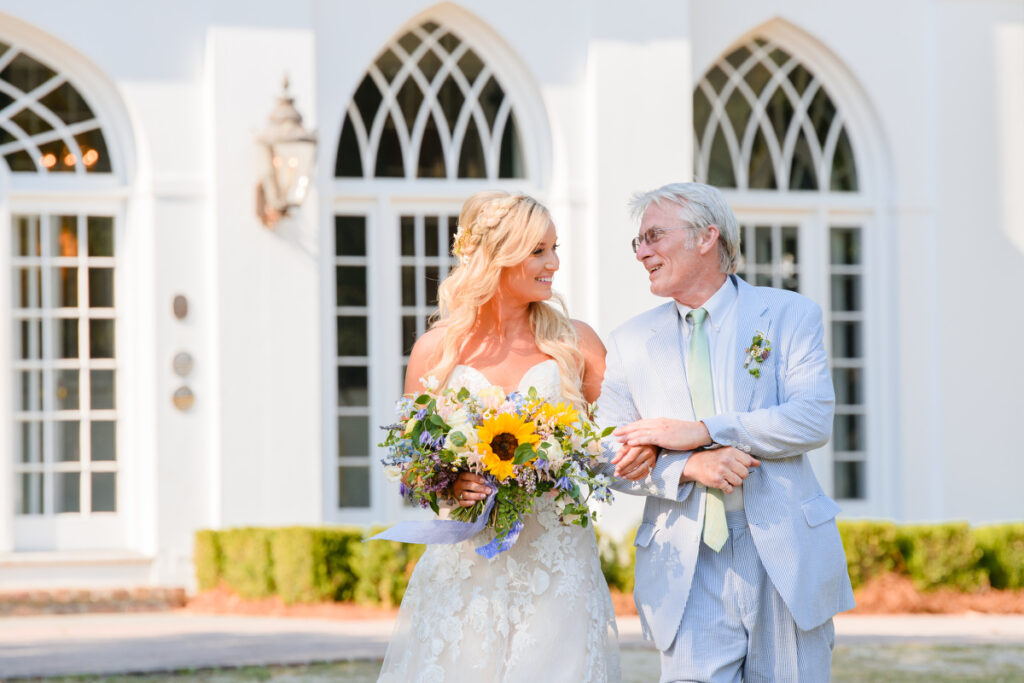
(539, 611)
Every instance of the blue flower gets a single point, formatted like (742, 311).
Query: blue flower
(564, 483)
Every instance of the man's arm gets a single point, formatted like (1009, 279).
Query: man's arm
(615, 407)
(803, 419)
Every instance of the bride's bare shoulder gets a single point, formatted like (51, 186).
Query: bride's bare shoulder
(589, 342)
(428, 346)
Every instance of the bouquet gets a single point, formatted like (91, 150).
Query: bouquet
(524, 446)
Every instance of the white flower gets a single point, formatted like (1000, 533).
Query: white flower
(430, 383)
(555, 455)
(594, 447)
(576, 439)
(393, 473)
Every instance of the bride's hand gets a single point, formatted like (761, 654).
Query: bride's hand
(635, 462)
(470, 488)
(672, 435)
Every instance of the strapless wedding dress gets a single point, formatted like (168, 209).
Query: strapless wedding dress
(535, 613)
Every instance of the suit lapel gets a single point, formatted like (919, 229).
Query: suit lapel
(665, 351)
(752, 317)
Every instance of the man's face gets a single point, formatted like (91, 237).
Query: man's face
(671, 267)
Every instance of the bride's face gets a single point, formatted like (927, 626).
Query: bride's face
(531, 279)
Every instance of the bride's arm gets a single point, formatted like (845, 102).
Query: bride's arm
(593, 360)
(421, 358)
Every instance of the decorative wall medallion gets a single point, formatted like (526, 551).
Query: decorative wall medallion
(183, 399)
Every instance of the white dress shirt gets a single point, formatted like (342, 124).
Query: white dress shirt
(720, 326)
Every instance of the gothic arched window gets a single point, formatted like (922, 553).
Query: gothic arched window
(763, 121)
(429, 107)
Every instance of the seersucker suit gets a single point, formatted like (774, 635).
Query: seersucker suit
(777, 417)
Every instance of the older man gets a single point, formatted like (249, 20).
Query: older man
(739, 565)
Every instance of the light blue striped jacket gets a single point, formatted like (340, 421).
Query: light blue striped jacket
(777, 417)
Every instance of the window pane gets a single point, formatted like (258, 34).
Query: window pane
(408, 229)
(350, 284)
(66, 448)
(433, 280)
(101, 287)
(67, 389)
(790, 245)
(30, 392)
(846, 340)
(31, 442)
(353, 387)
(352, 335)
(30, 340)
(101, 338)
(101, 235)
(408, 333)
(849, 480)
(66, 341)
(64, 236)
(104, 443)
(353, 436)
(408, 285)
(430, 235)
(849, 385)
(353, 487)
(848, 433)
(104, 492)
(94, 151)
(30, 494)
(29, 283)
(845, 246)
(350, 235)
(763, 245)
(846, 293)
(65, 287)
(27, 236)
(67, 493)
(763, 280)
(102, 389)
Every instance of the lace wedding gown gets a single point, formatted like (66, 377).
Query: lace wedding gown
(537, 612)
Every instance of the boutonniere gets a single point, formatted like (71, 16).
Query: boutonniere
(757, 353)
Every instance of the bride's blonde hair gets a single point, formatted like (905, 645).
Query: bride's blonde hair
(498, 230)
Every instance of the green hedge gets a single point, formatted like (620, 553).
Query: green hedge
(1002, 548)
(313, 564)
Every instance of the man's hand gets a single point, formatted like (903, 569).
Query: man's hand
(634, 462)
(672, 435)
(722, 468)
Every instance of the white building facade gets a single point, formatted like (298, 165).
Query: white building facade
(873, 153)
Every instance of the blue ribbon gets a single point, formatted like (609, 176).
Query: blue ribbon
(438, 530)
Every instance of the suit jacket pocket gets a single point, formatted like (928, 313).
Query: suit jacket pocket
(644, 534)
(819, 510)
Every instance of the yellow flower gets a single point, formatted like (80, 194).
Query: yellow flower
(563, 414)
(500, 436)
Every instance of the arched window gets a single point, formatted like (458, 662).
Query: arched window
(435, 117)
(429, 107)
(46, 126)
(63, 313)
(764, 121)
(770, 134)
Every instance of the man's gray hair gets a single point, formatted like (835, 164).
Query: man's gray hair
(701, 206)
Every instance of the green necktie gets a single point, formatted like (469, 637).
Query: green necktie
(702, 394)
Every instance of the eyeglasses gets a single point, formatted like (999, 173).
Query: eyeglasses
(652, 235)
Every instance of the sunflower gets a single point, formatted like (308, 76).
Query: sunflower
(500, 436)
(563, 414)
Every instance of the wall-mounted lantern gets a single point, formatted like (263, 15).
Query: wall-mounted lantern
(287, 153)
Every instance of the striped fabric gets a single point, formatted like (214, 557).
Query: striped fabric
(777, 417)
(737, 627)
